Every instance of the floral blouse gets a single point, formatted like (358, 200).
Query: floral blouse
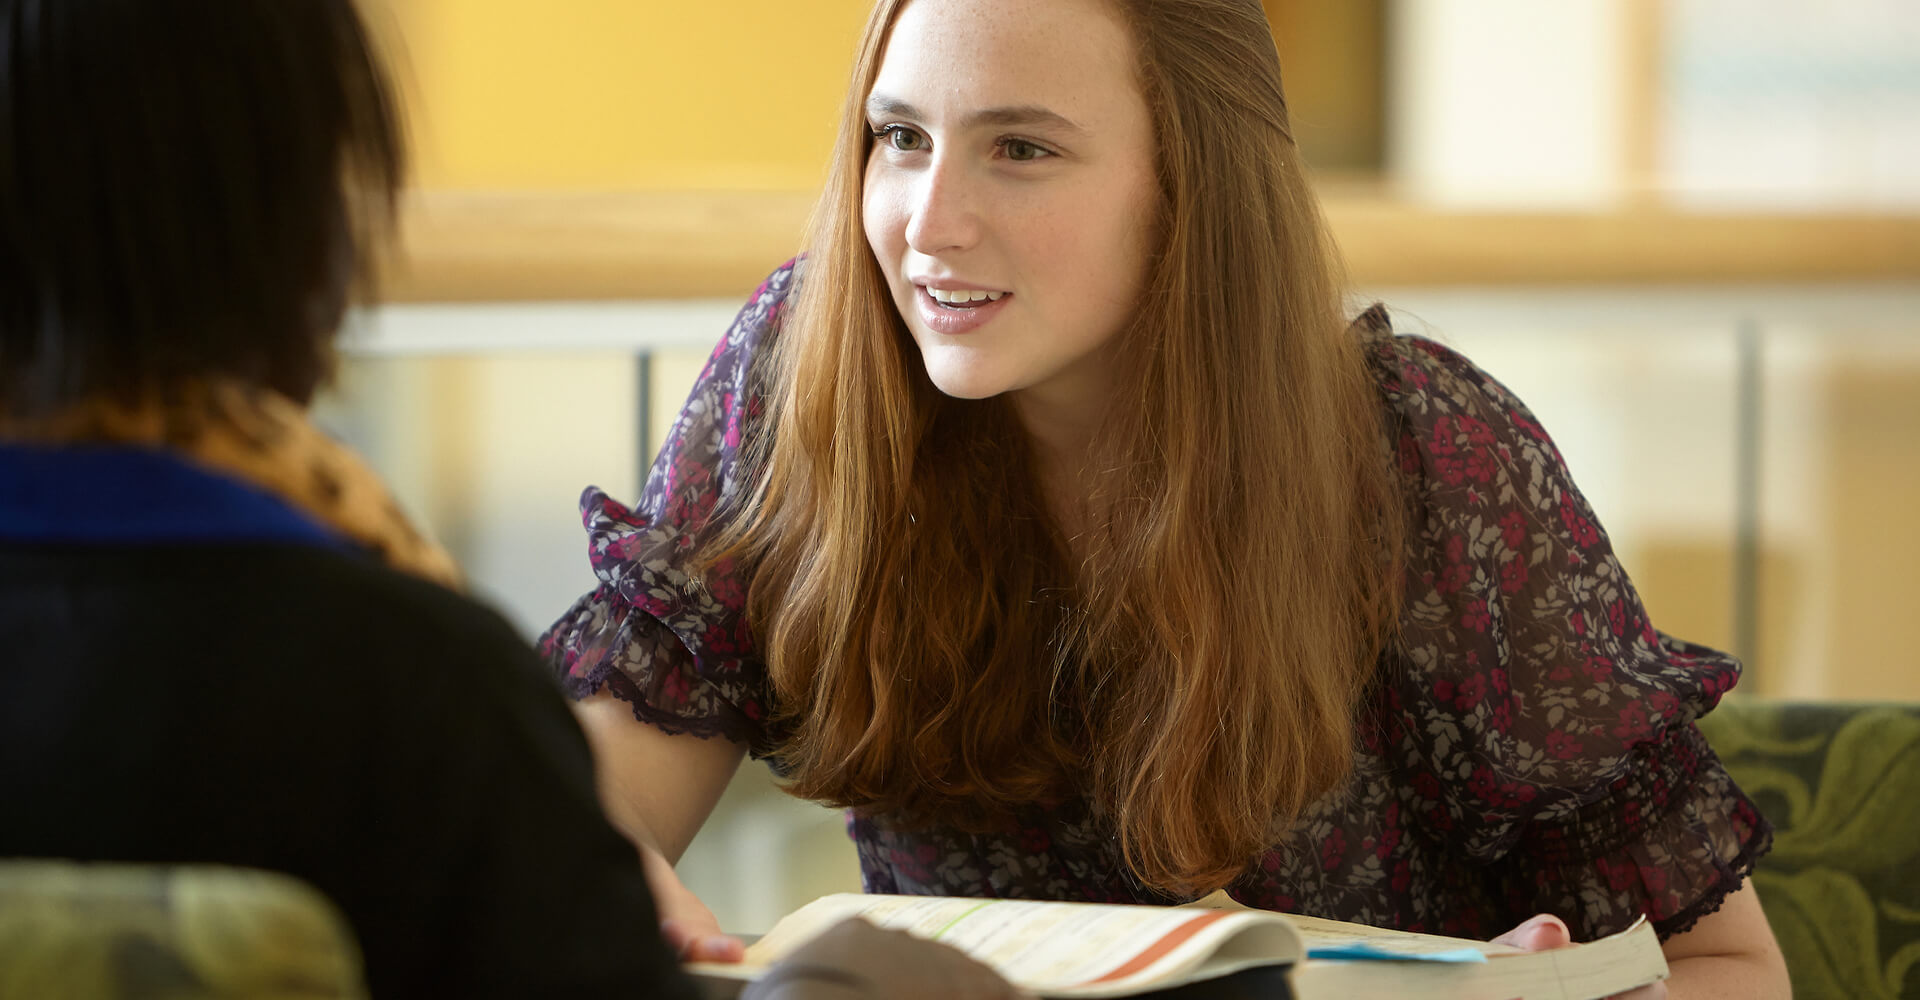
(1530, 746)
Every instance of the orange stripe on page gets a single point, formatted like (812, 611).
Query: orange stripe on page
(1158, 950)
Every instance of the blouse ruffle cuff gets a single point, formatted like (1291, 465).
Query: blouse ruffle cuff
(679, 652)
(1670, 838)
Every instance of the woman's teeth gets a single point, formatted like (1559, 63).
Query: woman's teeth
(963, 297)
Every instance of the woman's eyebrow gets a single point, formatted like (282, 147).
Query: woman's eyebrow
(882, 106)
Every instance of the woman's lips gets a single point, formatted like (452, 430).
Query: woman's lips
(953, 321)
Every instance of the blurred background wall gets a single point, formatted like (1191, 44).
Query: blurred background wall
(1687, 232)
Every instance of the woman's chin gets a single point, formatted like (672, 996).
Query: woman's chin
(965, 385)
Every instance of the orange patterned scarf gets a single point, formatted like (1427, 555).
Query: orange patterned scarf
(266, 440)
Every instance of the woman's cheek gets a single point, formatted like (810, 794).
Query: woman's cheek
(882, 216)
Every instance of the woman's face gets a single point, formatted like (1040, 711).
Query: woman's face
(1009, 194)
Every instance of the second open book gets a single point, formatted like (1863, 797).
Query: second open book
(1088, 950)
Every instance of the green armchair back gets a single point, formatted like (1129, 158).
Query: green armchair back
(116, 932)
(1841, 784)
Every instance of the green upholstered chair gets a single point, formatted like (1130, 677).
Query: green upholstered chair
(115, 932)
(1841, 784)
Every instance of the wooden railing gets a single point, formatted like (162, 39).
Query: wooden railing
(524, 247)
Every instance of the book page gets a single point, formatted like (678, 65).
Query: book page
(1328, 935)
(1624, 961)
(1060, 949)
(1083, 950)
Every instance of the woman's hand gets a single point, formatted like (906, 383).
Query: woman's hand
(1546, 932)
(854, 960)
(689, 927)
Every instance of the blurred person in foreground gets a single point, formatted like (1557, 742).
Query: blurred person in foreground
(222, 640)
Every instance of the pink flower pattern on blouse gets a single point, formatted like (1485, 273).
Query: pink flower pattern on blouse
(1528, 747)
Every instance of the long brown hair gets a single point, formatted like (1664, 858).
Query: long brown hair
(1196, 664)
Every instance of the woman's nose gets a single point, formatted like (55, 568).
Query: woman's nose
(944, 213)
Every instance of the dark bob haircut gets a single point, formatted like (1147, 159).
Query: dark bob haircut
(188, 190)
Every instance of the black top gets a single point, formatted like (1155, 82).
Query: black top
(291, 705)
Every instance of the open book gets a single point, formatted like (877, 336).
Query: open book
(1089, 950)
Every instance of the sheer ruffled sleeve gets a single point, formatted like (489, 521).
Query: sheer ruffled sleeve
(681, 654)
(1544, 728)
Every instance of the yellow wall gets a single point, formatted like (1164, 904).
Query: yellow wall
(724, 95)
(623, 94)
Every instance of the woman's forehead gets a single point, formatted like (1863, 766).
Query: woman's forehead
(959, 57)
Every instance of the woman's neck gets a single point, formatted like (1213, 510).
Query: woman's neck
(1060, 451)
(1062, 416)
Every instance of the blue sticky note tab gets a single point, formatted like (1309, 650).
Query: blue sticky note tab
(1370, 953)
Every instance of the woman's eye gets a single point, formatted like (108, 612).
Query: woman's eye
(1021, 151)
(902, 138)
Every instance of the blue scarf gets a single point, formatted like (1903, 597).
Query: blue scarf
(115, 495)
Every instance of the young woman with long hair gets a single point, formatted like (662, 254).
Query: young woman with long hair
(1052, 517)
